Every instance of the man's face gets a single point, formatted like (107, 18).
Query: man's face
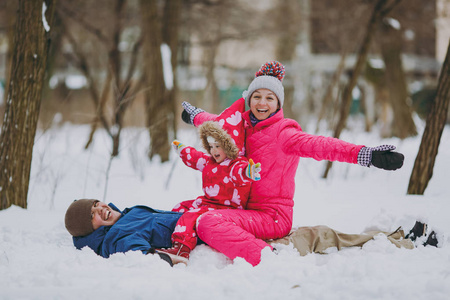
(103, 215)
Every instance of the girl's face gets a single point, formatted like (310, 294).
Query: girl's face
(103, 215)
(263, 102)
(217, 152)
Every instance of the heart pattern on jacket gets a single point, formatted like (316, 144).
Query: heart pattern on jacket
(179, 228)
(212, 191)
(234, 119)
(201, 163)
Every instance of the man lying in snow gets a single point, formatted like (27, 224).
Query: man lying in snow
(107, 230)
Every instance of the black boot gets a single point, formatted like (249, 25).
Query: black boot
(163, 256)
(418, 230)
(432, 240)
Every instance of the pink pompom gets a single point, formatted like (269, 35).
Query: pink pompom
(272, 68)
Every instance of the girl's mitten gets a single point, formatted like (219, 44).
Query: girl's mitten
(178, 146)
(253, 170)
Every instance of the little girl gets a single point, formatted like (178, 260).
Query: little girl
(226, 176)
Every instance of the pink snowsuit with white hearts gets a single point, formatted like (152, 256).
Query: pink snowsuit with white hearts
(277, 143)
(225, 186)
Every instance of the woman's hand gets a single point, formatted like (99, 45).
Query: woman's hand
(381, 157)
(189, 112)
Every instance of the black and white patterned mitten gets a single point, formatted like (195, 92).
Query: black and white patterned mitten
(382, 157)
(189, 112)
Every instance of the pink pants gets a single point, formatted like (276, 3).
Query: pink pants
(239, 233)
(185, 230)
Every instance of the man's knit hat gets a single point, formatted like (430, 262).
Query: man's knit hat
(269, 76)
(227, 130)
(78, 217)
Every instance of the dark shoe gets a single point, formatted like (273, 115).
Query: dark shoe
(179, 253)
(166, 258)
(163, 256)
(432, 240)
(417, 231)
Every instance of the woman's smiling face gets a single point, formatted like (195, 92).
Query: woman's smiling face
(263, 103)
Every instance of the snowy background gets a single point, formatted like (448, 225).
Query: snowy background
(39, 261)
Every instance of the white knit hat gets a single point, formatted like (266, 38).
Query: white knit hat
(269, 76)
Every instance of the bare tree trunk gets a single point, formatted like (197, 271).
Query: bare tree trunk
(286, 15)
(171, 28)
(424, 164)
(100, 106)
(368, 104)
(328, 97)
(11, 8)
(381, 8)
(31, 41)
(383, 113)
(363, 107)
(56, 37)
(157, 105)
(121, 87)
(391, 43)
(211, 94)
(211, 99)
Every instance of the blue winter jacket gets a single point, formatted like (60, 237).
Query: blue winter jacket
(139, 228)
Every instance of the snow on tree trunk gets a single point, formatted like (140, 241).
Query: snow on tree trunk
(31, 41)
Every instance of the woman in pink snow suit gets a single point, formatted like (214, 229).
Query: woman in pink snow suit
(277, 143)
(226, 176)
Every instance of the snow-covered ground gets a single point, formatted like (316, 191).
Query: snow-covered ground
(39, 261)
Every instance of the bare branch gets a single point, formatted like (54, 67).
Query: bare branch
(67, 12)
(133, 62)
(100, 110)
(114, 53)
(84, 67)
(388, 8)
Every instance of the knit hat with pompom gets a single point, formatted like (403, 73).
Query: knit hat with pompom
(269, 76)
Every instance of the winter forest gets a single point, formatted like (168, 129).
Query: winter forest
(90, 102)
